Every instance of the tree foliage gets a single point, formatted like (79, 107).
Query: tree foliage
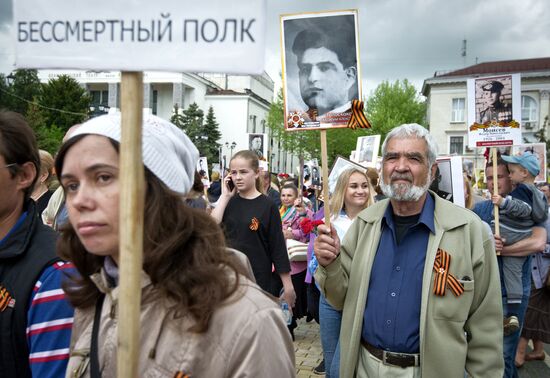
(305, 144)
(65, 103)
(48, 137)
(204, 134)
(391, 105)
(212, 131)
(50, 109)
(20, 93)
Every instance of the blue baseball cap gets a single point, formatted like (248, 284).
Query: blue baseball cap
(527, 160)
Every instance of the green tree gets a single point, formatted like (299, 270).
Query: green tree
(21, 92)
(48, 137)
(4, 92)
(191, 121)
(304, 144)
(212, 131)
(177, 117)
(65, 103)
(391, 105)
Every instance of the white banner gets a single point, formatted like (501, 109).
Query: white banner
(138, 35)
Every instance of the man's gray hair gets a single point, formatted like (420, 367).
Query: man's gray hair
(414, 130)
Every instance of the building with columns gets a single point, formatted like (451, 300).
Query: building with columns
(447, 99)
(240, 102)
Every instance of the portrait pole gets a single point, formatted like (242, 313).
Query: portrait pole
(325, 176)
(131, 224)
(495, 189)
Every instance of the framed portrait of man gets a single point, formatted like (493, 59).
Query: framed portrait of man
(339, 166)
(202, 168)
(448, 182)
(315, 174)
(367, 150)
(257, 143)
(494, 111)
(321, 70)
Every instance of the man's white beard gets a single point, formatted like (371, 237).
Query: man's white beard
(402, 191)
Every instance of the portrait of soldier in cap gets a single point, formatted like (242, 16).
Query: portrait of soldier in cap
(493, 108)
(321, 67)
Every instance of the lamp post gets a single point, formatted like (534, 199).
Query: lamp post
(231, 147)
(10, 79)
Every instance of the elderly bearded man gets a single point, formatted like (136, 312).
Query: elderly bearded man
(416, 277)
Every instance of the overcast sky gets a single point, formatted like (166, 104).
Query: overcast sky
(404, 38)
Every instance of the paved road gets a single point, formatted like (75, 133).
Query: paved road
(309, 353)
(537, 369)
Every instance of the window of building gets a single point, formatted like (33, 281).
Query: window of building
(155, 102)
(456, 145)
(528, 109)
(457, 114)
(100, 98)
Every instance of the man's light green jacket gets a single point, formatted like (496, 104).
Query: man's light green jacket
(457, 334)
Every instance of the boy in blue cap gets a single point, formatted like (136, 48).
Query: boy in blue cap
(522, 209)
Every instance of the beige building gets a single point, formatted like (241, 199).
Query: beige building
(447, 100)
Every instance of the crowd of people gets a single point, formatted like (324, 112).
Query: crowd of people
(403, 282)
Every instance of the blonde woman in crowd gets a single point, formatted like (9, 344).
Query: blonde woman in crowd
(352, 194)
(41, 193)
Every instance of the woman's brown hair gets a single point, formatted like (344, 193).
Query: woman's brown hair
(184, 254)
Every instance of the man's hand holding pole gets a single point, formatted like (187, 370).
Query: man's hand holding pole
(326, 245)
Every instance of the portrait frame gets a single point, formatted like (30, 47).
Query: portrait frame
(452, 180)
(366, 152)
(202, 166)
(339, 166)
(297, 114)
(253, 138)
(494, 111)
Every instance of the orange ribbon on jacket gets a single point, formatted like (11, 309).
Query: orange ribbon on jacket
(358, 118)
(5, 299)
(442, 276)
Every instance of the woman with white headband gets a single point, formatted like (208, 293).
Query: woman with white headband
(201, 315)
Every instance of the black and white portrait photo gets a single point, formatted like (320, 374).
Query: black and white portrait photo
(367, 150)
(494, 100)
(257, 144)
(315, 175)
(494, 111)
(320, 69)
(202, 168)
(448, 182)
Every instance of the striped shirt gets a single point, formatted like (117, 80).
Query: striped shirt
(49, 323)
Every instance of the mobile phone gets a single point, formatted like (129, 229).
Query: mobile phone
(230, 184)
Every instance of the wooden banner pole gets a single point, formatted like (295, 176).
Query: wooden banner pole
(132, 197)
(324, 162)
(495, 188)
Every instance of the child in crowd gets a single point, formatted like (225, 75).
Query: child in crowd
(522, 209)
(252, 224)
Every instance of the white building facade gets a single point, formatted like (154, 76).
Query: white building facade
(447, 101)
(240, 102)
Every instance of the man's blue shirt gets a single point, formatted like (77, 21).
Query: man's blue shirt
(392, 314)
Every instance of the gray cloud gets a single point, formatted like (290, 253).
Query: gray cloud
(413, 39)
(407, 38)
(5, 13)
